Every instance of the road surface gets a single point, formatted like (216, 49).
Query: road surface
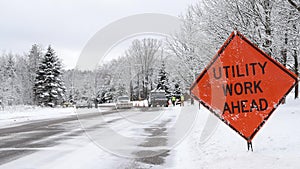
(133, 138)
(156, 138)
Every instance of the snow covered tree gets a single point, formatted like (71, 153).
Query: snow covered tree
(10, 85)
(163, 81)
(177, 91)
(13, 79)
(295, 5)
(22, 81)
(271, 25)
(49, 88)
(34, 59)
(143, 54)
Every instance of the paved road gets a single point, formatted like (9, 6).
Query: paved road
(24, 139)
(27, 141)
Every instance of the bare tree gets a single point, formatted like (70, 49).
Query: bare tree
(144, 54)
(296, 6)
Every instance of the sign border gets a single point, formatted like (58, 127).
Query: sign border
(221, 50)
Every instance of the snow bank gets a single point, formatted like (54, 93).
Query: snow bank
(107, 105)
(275, 146)
(13, 115)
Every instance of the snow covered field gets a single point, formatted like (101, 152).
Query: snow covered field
(276, 146)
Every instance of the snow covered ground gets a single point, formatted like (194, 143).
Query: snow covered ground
(276, 146)
(14, 115)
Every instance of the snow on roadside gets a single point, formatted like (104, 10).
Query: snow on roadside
(275, 146)
(13, 115)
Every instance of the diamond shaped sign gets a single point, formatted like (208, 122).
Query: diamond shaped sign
(242, 85)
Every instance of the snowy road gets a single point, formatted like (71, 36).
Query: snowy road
(24, 139)
(150, 139)
(51, 143)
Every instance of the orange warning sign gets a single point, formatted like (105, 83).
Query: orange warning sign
(243, 85)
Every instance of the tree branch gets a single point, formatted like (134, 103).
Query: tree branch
(294, 5)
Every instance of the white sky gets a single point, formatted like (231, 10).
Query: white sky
(68, 24)
(118, 50)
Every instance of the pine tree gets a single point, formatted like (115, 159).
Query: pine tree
(49, 88)
(163, 81)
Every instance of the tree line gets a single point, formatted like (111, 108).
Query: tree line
(38, 78)
(271, 25)
(171, 64)
(142, 68)
(34, 78)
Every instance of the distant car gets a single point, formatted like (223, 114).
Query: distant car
(83, 104)
(123, 102)
(67, 104)
(158, 98)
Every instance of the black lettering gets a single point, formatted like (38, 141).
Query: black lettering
(219, 75)
(243, 103)
(226, 70)
(253, 105)
(248, 87)
(247, 71)
(235, 107)
(227, 89)
(226, 108)
(238, 71)
(232, 70)
(253, 67)
(242, 106)
(263, 67)
(238, 88)
(256, 86)
(263, 104)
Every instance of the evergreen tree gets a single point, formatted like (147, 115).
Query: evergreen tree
(49, 88)
(163, 81)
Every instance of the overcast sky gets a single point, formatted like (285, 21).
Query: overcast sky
(68, 24)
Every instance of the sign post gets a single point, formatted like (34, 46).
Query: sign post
(243, 86)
